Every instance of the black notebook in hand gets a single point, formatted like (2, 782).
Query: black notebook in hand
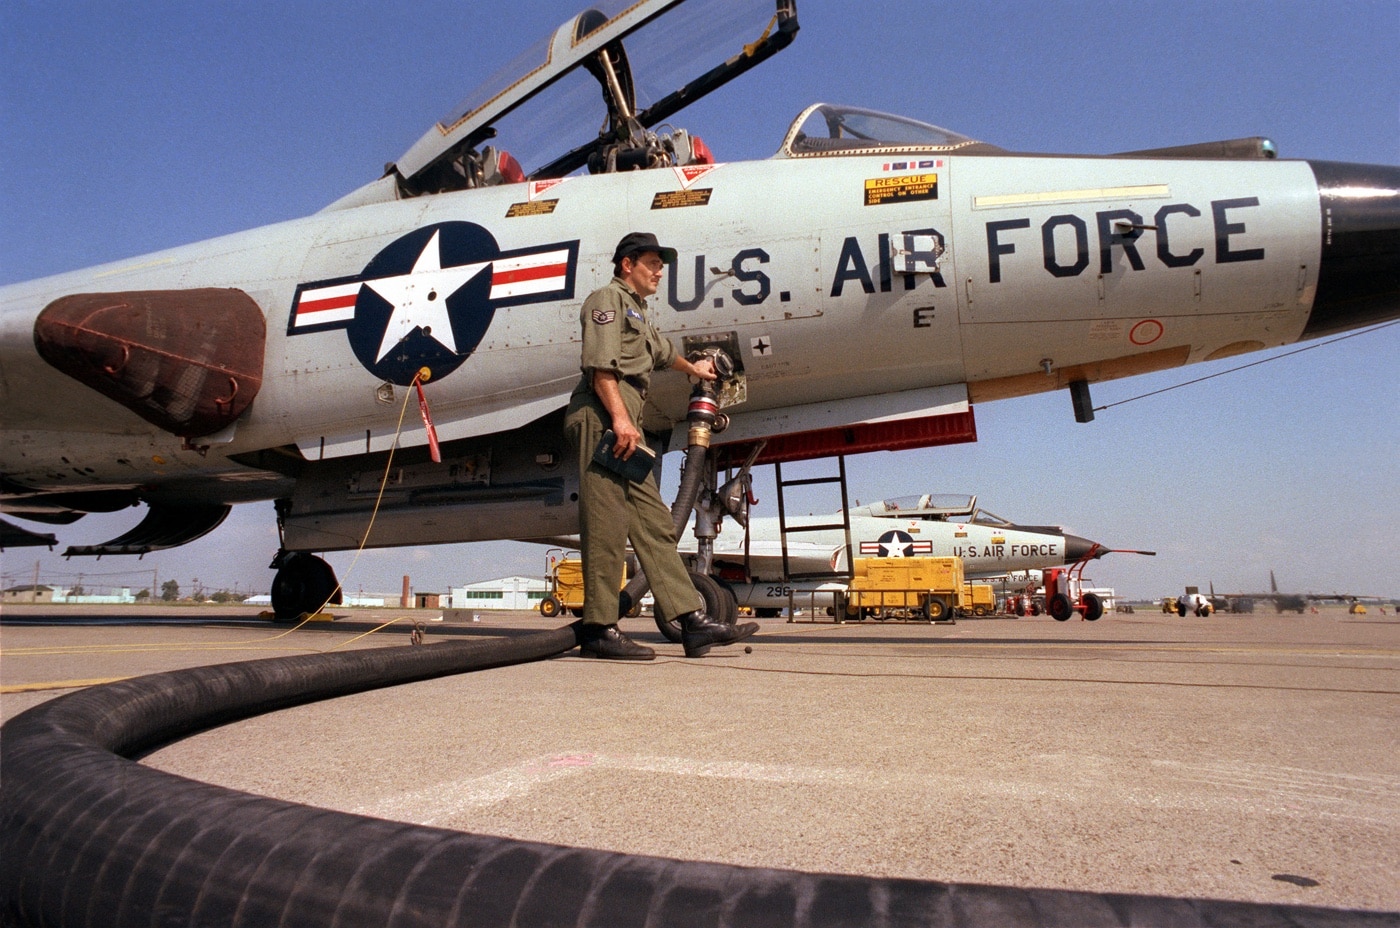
(634, 468)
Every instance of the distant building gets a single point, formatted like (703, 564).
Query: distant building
(120, 597)
(29, 593)
(504, 593)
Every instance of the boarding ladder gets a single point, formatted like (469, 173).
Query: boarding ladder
(784, 529)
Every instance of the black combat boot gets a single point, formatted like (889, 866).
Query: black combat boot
(699, 632)
(608, 641)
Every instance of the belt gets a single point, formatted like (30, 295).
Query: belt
(637, 383)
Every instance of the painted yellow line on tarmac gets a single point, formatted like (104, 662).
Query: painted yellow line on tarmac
(57, 685)
(174, 647)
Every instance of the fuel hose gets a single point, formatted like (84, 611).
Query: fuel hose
(89, 836)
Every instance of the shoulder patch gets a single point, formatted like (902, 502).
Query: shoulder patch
(604, 316)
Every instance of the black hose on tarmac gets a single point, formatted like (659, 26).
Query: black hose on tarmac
(89, 837)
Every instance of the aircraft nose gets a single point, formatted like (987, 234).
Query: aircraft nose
(1077, 547)
(1359, 277)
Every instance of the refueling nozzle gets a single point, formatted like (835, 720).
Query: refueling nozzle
(704, 415)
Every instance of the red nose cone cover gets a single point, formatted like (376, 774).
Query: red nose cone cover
(188, 361)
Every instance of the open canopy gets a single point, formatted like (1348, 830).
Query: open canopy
(591, 93)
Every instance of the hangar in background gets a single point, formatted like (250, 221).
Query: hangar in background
(501, 593)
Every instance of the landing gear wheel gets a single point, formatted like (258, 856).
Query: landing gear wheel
(550, 607)
(1060, 608)
(720, 604)
(1093, 607)
(304, 583)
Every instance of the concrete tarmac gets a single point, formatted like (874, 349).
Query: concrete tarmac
(1249, 758)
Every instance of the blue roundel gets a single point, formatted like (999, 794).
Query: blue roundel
(424, 301)
(897, 544)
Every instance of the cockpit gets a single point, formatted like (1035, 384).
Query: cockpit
(937, 507)
(824, 130)
(610, 79)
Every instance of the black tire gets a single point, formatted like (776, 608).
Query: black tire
(549, 607)
(935, 609)
(304, 583)
(1093, 607)
(1059, 607)
(719, 603)
(1181, 609)
(845, 611)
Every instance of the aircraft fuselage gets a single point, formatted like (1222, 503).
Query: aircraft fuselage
(975, 277)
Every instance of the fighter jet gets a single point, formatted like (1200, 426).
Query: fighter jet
(781, 558)
(865, 288)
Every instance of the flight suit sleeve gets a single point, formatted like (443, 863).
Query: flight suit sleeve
(601, 318)
(663, 353)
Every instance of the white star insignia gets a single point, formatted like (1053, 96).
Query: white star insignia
(419, 298)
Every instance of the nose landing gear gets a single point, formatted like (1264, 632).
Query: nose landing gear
(1063, 592)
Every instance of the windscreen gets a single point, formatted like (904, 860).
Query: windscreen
(826, 128)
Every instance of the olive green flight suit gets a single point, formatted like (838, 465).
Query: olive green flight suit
(618, 338)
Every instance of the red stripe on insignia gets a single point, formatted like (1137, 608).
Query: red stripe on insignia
(334, 302)
(519, 275)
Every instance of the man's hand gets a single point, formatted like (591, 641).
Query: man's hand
(704, 369)
(628, 435)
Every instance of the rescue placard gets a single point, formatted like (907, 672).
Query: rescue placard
(881, 190)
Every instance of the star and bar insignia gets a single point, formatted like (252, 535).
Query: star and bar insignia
(428, 297)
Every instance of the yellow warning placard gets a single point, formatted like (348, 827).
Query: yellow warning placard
(881, 190)
(532, 208)
(680, 199)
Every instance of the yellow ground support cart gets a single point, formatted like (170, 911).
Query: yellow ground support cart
(566, 588)
(928, 588)
(979, 599)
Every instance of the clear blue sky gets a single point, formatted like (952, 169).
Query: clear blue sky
(132, 127)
